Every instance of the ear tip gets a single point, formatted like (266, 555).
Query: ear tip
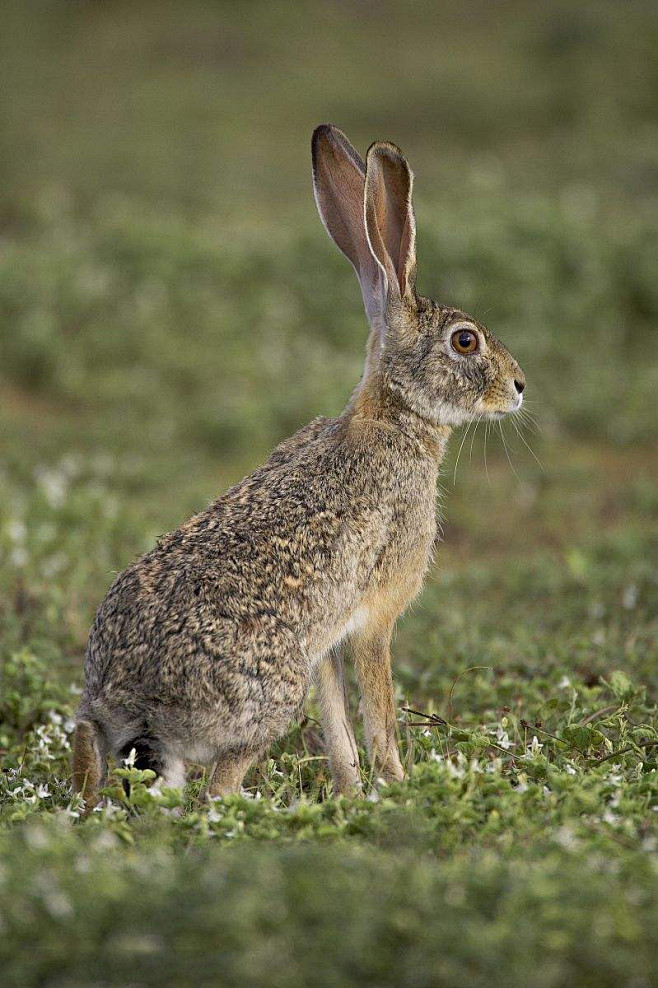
(386, 149)
(322, 133)
(329, 142)
(324, 130)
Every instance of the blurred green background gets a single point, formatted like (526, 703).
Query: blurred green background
(164, 277)
(170, 307)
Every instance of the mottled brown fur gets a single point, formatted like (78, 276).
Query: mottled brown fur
(204, 649)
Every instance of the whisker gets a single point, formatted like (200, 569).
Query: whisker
(529, 420)
(529, 448)
(459, 451)
(470, 452)
(486, 436)
(502, 436)
(526, 412)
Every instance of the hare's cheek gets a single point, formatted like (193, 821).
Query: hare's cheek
(497, 399)
(473, 379)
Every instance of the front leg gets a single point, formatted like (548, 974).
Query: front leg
(372, 657)
(338, 734)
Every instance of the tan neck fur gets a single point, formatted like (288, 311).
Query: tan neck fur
(373, 402)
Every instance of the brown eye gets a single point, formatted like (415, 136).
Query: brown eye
(464, 341)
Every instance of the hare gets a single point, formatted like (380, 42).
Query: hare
(204, 649)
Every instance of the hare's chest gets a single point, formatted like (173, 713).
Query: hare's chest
(403, 559)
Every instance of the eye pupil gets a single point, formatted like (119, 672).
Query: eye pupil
(464, 341)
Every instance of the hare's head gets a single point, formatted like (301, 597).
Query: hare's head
(437, 361)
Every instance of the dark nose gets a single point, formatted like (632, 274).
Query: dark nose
(519, 385)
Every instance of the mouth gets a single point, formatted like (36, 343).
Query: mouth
(500, 413)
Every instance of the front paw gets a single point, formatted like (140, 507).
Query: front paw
(391, 770)
(347, 786)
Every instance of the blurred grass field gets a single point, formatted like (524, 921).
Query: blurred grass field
(170, 307)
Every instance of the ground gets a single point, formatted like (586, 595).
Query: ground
(168, 312)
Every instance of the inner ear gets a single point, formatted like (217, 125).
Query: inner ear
(392, 215)
(389, 217)
(339, 186)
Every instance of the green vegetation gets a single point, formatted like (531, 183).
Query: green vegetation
(169, 308)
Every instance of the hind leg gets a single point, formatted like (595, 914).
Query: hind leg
(89, 763)
(229, 771)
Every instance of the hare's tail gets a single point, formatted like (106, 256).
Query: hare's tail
(87, 763)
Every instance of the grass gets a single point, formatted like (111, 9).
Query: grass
(168, 311)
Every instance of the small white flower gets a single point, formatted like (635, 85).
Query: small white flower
(109, 809)
(129, 762)
(564, 683)
(534, 748)
(629, 597)
(503, 738)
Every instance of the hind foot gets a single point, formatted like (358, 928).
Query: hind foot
(228, 773)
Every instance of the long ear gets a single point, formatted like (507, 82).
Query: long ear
(389, 218)
(339, 184)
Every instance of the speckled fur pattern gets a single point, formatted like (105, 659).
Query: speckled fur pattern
(204, 649)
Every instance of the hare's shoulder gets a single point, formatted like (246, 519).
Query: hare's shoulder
(327, 471)
(291, 445)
